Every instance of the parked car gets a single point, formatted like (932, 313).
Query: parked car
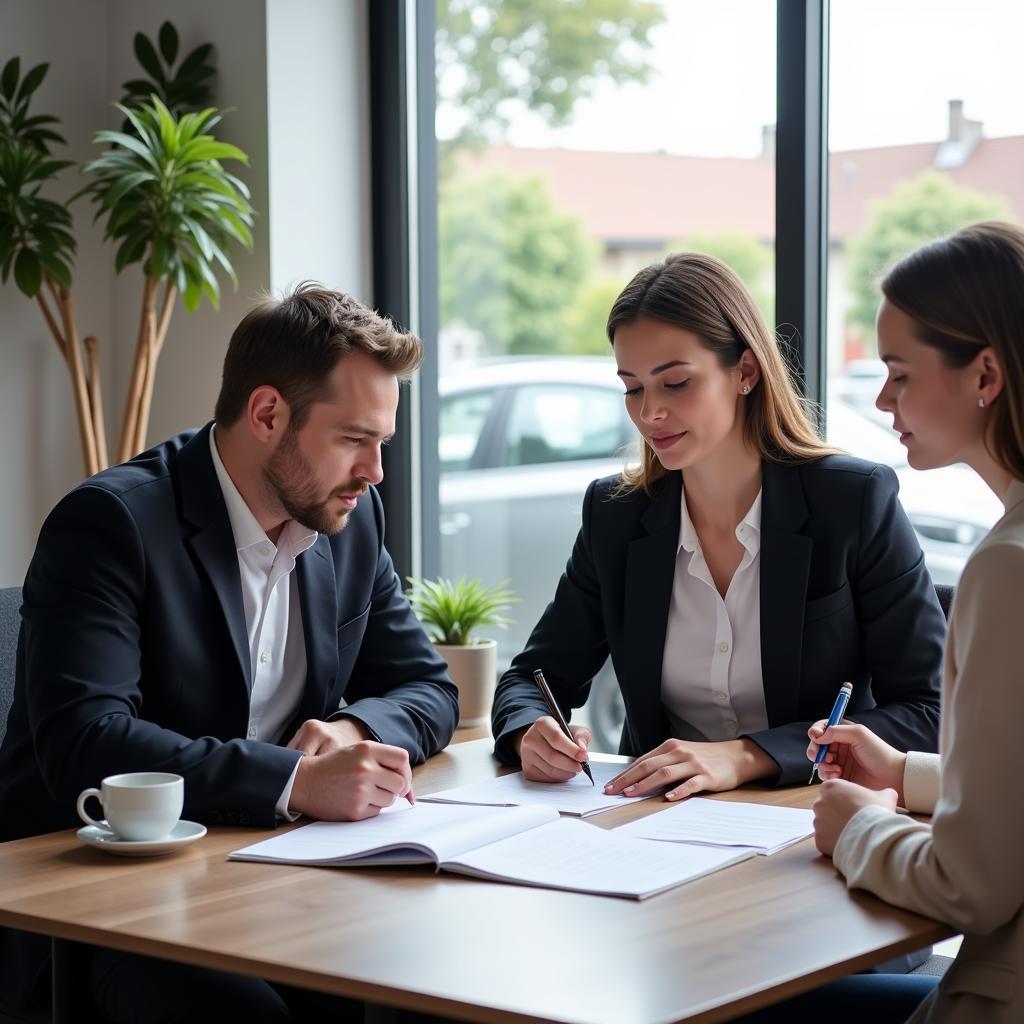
(520, 440)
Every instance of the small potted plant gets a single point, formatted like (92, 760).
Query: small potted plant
(449, 613)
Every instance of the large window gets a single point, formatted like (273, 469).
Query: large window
(577, 142)
(928, 141)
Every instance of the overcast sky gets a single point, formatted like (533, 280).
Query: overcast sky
(894, 66)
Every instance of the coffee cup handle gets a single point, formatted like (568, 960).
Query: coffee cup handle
(82, 797)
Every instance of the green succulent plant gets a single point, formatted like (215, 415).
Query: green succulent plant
(451, 611)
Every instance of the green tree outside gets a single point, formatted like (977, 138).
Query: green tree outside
(753, 262)
(511, 262)
(545, 54)
(915, 212)
(585, 322)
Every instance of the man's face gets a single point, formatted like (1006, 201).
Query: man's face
(317, 473)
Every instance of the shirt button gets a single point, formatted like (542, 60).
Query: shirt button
(721, 696)
(252, 732)
(264, 550)
(722, 647)
(264, 657)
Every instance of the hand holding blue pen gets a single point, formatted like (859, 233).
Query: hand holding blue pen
(838, 709)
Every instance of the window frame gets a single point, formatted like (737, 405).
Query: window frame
(404, 173)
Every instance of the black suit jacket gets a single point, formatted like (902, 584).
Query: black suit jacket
(133, 652)
(844, 596)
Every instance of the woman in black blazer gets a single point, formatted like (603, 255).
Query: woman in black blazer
(737, 577)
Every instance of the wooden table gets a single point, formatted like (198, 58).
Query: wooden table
(706, 951)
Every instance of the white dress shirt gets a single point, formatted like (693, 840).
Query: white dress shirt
(711, 682)
(273, 617)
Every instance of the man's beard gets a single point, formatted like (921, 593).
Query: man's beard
(290, 480)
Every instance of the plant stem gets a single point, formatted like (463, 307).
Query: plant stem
(146, 396)
(82, 405)
(52, 324)
(130, 423)
(96, 402)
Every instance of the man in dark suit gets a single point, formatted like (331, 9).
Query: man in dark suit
(223, 607)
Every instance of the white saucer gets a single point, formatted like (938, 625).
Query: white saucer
(182, 834)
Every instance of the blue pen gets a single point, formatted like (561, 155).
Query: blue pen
(842, 699)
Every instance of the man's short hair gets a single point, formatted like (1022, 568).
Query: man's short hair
(293, 344)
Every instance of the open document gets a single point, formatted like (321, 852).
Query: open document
(576, 797)
(527, 845)
(725, 823)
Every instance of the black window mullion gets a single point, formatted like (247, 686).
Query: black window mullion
(801, 188)
(404, 214)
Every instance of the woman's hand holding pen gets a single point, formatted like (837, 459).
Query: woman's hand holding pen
(548, 755)
(699, 767)
(857, 755)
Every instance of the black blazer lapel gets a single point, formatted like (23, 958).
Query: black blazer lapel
(213, 542)
(318, 598)
(650, 570)
(785, 568)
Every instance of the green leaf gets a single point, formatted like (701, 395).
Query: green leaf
(28, 272)
(32, 80)
(125, 185)
(6, 238)
(208, 148)
(31, 122)
(57, 269)
(194, 60)
(131, 251)
(137, 146)
(168, 42)
(9, 78)
(139, 87)
(146, 56)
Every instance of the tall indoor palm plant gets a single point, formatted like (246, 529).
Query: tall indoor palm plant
(168, 202)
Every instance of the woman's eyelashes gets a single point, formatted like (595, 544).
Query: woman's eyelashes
(669, 386)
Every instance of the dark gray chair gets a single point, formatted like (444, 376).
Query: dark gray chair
(945, 593)
(10, 624)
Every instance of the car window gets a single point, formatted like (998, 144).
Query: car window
(563, 423)
(854, 432)
(461, 423)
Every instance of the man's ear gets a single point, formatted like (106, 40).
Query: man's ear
(267, 414)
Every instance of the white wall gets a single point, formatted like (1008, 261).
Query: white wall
(188, 374)
(41, 457)
(300, 113)
(319, 181)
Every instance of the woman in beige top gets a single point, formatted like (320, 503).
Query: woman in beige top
(951, 329)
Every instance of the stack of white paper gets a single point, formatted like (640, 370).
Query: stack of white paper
(577, 797)
(528, 845)
(759, 827)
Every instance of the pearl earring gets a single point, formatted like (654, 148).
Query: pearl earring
(981, 403)
(746, 389)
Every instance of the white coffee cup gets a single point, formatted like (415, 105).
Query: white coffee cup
(139, 806)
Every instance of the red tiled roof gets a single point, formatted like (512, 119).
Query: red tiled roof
(655, 198)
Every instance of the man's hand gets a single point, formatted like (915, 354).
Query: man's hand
(837, 803)
(316, 737)
(548, 755)
(700, 767)
(350, 783)
(856, 754)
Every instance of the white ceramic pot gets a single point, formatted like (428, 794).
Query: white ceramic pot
(473, 668)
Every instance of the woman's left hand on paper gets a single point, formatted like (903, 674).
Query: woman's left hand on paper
(838, 801)
(689, 767)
